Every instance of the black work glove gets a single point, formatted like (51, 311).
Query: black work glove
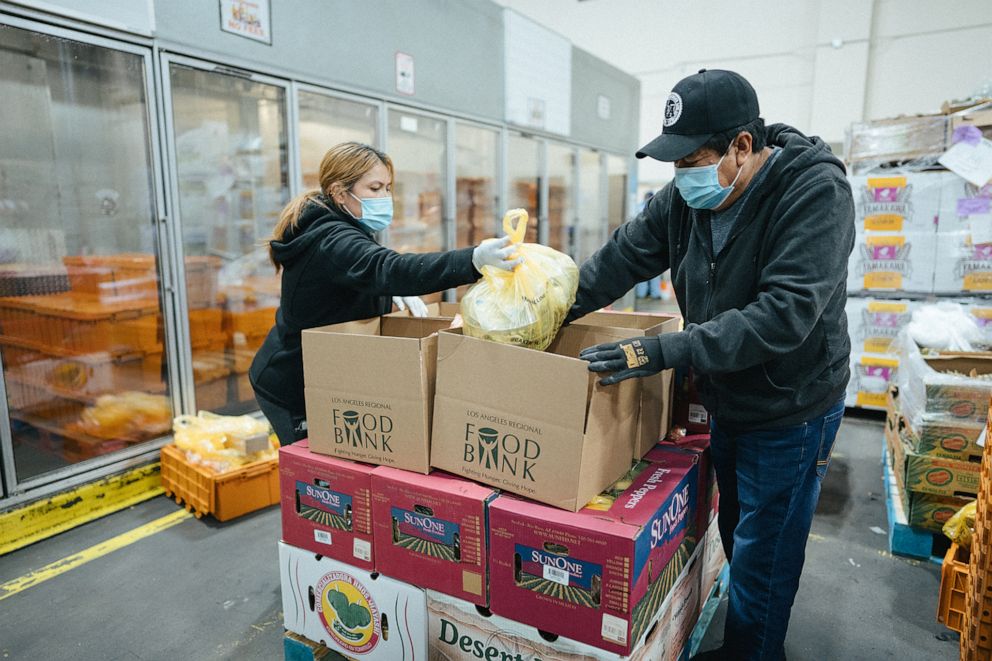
(636, 357)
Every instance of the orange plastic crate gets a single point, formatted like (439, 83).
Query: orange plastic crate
(249, 321)
(206, 326)
(224, 496)
(953, 588)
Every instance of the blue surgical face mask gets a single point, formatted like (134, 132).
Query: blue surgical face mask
(377, 212)
(700, 186)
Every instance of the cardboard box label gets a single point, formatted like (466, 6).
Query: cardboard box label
(871, 376)
(425, 534)
(324, 505)
(886, 203)
(351, 611)
(881, 323)
(552, 572)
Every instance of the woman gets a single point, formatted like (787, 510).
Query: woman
(333, 271)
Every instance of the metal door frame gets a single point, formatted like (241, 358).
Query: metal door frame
(166, 60)
(90, 469)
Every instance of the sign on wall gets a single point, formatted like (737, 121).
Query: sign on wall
(404, 74)
(251, 19)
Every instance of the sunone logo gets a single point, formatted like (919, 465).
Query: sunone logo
(557, 562)
(425, 523)
(506, 453)
(325, 496)
(362, 430)
(673, 516)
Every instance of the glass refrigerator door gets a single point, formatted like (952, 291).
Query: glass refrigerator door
(523, 163)
(592, 215)
(616, 186)
(231, 152)
(476, 166)
(417, 148)
(326, 121)
(81, 321)
(561, 198)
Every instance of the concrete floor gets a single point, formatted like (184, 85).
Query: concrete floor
(204, 590)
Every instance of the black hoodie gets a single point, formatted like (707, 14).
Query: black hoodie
(334, 271)
(765, 325)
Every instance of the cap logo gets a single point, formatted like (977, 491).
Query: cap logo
(673, 109)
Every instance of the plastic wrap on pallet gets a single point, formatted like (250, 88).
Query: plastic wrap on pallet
(938, 434)
(915, 143)
(939, 386)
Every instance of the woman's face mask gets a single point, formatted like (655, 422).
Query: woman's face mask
(377, 212)
(700, 186)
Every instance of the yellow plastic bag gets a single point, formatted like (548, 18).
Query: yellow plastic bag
(525, 306)
(223, 442)
(960, 527)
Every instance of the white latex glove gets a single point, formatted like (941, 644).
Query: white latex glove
(496, 253)
(417, 307)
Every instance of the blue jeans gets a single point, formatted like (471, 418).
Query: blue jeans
(647, 288)
(769, 486)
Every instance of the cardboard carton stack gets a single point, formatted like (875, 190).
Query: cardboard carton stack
(459, 498)
(935, 417)
(922, 233)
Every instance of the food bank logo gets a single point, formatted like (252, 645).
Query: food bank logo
(348, 612)
(367, 431)
(509, 453)
(885, 203)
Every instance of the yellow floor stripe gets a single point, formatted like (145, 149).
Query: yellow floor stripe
(42, 519)
(10, 588)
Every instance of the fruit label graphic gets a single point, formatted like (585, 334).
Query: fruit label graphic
(324, 506)
(975, 269)
(885, 203)
(881, 323)
(348, 612)
(421, 532)
(884, 262)
(551, 571)
(871, 380)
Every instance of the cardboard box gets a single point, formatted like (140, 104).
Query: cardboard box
(353, 612)
(431, 531)
(598, 577)
(940, 436)
(688, 410)
(707, 501)
(869, 144)
(655, 414)
(871, 375)
(459, 631)
(442, 311)
(533, 423)
(714, 559)
(370, 389)
(897, 203)
(961, 266)
(961, 203)
(892, 261)
(326, 505)
(874, 324)
(930, 475)
(981, 312)
(929, 512)
(934, 388)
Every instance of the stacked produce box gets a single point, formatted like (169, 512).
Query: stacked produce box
(923, 233)
(462, 499)
(935, 418)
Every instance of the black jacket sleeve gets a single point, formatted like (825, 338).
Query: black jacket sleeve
(353, 260)
(637, 251)
(812, 239)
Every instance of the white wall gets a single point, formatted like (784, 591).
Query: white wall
(817, 64)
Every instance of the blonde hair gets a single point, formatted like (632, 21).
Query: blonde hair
(342, 166)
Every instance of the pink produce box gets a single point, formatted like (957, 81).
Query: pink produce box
(326, 505)
(709, 497)
(430, 530)
(597, 576)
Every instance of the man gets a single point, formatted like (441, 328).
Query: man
(757, 228)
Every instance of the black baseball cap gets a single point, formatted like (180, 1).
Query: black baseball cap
(699, 107)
